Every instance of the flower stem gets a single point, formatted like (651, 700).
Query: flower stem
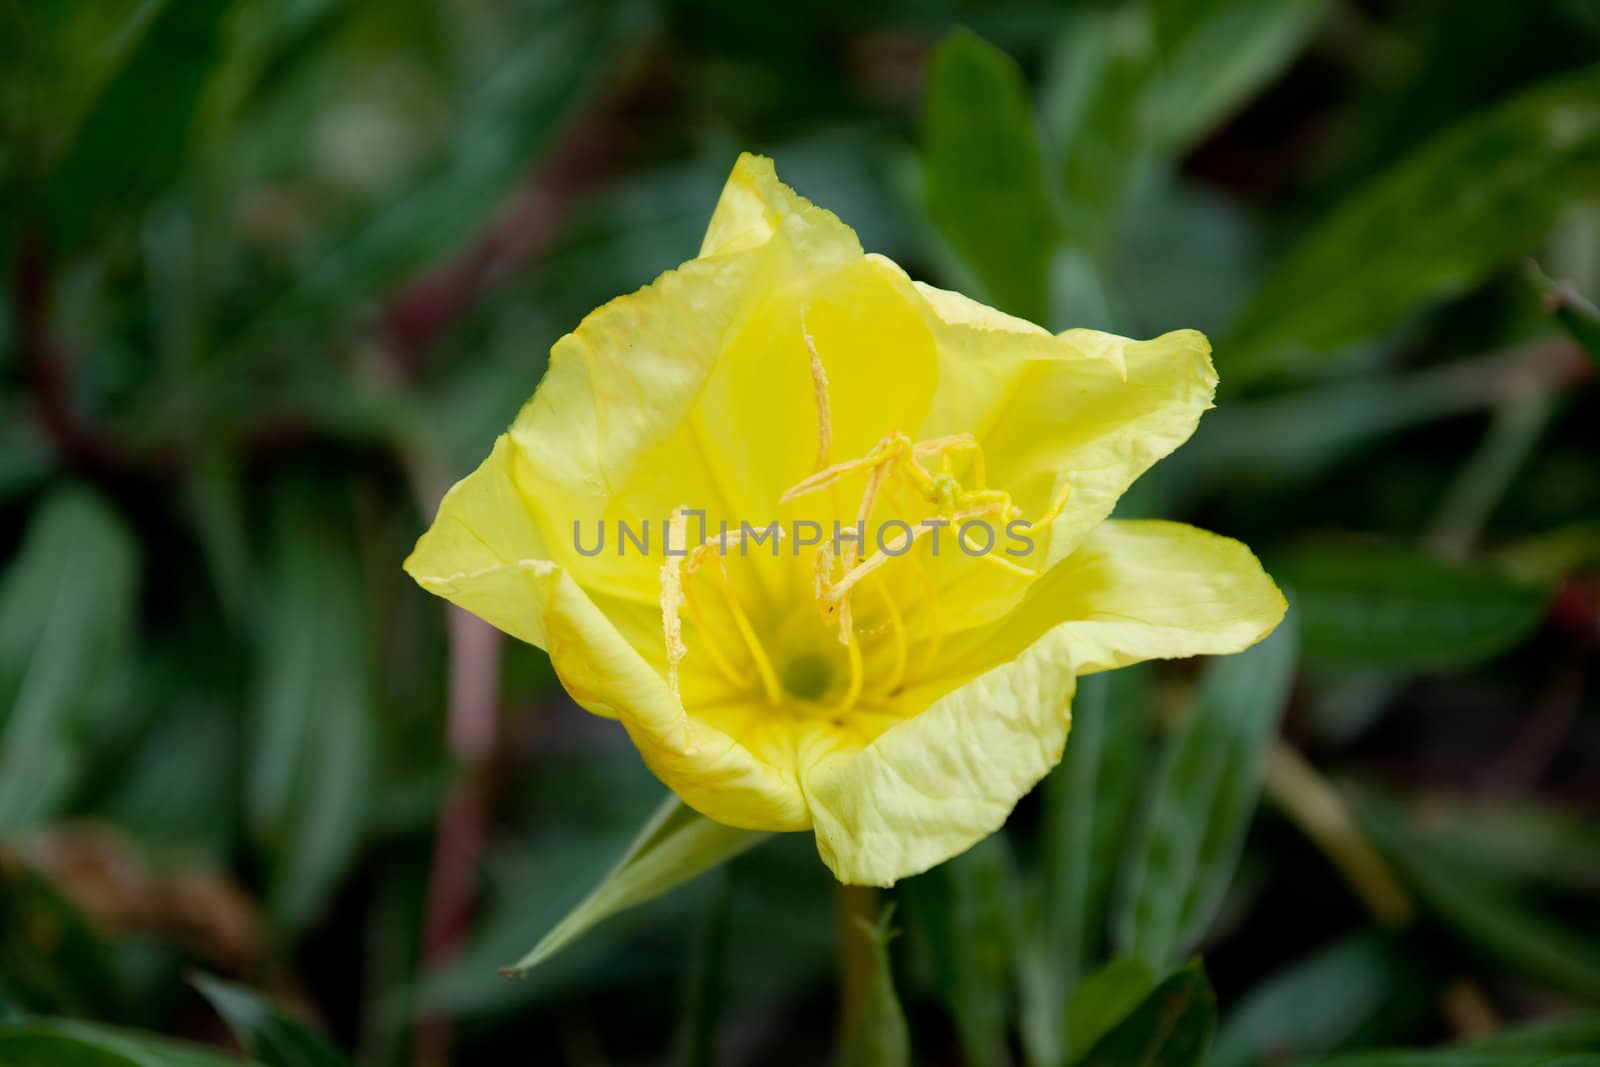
(1316, 807)
(856, 902)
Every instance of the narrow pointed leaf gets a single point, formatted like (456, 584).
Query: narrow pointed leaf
(1457, 1058)
(267, 1032)
(1390, 607)
(1088, 800)
(66, 615)
(676, 844)
(1201, 803)
(59, 1043)
(1494, 918)
(1215, 57)
(965, 912)
(1419, 232)
(1170, 1028)
(136, 135)
(983, 172)
(1359, 990)
(698, 1025)
(1101, 1002)
(314, 735)
(1141, 83)
(1577, 316)
(1579, 1033)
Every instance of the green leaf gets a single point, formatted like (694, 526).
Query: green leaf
(314, 738)
(267, 1032)
(1457, 1058)
(1102, 1001)
(1520, 841)
(1492, 917)
(1461, 205)
(1311, 429)
(697, 1027)
(965, 912)
(1579, 1033)
(1397, 607)
(66, 615)
(1171, 1028)
(1201, 802)
(1215, 56)
(58, 1043)
(881, 1037)
(51, 960)
(1354, 991)
(1577, 316)
(559, 57)
(1141, 83)
(134, 138)
(1088, 800)
(675, 845)
(58, 57)
(983, 173)
(1105, 62)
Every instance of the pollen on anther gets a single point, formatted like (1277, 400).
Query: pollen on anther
(819, 387)
(672, 598)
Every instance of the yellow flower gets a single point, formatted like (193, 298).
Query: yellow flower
(895, 695)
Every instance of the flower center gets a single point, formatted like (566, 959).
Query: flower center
(822, 653)
(807, 676)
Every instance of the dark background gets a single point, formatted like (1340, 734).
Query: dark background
(279, 272)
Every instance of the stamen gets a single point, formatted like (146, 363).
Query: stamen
(822, 575)
(712, 650)
(819, 385)
(930, 600)
(672, 599)
(676, 594)
(1057, 505)
(841, 588)
(769, 677)
(741, 621)
(852, 692)
(897, 627)
(1008, 565)
(829, 475)
(852, 551)
(691, 567)
(944, 491)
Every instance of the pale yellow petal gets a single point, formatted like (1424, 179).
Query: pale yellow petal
(1093, 425)
(635, 416)
(755, 205)
(933, 785)
(485, 525)
(1079, 415)
(599, 665)
(936, 784)
(1138, 590)
(759, 412)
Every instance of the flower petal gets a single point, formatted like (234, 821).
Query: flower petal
(483, 554)
(607, 434)
(759, 409)
(485, 525)
(755, 206)
(1133, 591)
(935, 784)
(1092, 407)
(1098, 423)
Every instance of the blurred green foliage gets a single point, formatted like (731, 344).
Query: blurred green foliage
(277, 272)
